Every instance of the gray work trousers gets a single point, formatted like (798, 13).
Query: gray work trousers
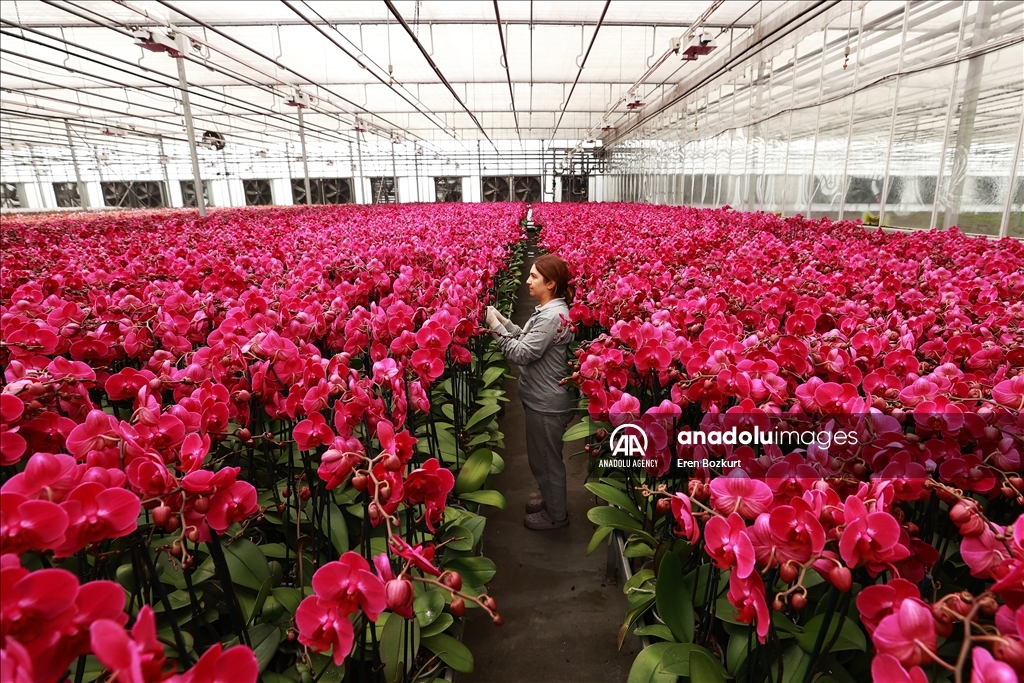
(544, 451)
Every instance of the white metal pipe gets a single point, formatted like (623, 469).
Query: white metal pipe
(196, 178)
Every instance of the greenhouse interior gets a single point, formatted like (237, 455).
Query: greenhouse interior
(512, 341)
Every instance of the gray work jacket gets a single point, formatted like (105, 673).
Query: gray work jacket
(539, 351)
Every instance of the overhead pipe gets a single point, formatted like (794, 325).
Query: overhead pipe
(243, 104)
(363, 66)
(508, 74)
(597, 28)
(274, 62)
(437, 70)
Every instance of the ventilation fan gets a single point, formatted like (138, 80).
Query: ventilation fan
(146, 194)
(213, 140)
(67, 194)
(9, 196)
(116, 193)
(448, 189)
(383, 190)
(575, 188)
(527, 188)
(495, 189)
(299, 191)
(188, 193)
(337, 191)
(257, 192)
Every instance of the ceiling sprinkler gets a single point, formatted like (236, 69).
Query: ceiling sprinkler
(154, 41)
(299, 99)
(700, 44)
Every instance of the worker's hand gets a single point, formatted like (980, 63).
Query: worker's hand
(494, 320)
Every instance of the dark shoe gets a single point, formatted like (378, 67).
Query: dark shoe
(540, 521)
(534, 505)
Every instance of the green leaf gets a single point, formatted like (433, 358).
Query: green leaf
(247, 564)
(586, 427)
(850, 638)
(632, 615)
(678, 659)
(475, 524)
(497, 464)
(452, 652)
(674, 603)
(492, 375)
(738, 649)
(441, 624)
(289, 597)
(794, 665)
(265, 639)
(646, 666)
(482, 416)
(475, 571)
(637, 580)
(463, 538)
(705, 668)
(615, 497)
(339, 529)
(637, 549)
(599, 535)
(489, 497)
(395, 647)
(474, 472)
(428, 606)
(658, 631)
(261, 599)
(605, 515)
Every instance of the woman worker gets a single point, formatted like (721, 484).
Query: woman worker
(539, 349)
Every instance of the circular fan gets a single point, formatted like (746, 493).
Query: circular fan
(258, 193)
(495, 189)
(337, 191)
(528, 189)
(148, 194)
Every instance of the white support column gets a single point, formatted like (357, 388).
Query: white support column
(892, 119)
(190, 130)
(1004, 224)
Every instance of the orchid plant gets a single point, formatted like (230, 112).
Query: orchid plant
(250, 445)
(769, 561)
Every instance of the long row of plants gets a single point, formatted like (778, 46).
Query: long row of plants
(896, 529)
(251, 445)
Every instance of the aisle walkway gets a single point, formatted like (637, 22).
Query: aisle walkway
(561, 614)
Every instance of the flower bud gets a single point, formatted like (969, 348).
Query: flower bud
(162, 515)
(393, 463)
(453, 580)
(458, 607)
(243, 434)
(841, 578)
(398, 595)
(1011, 651)
(788, 572)
(201, 505)
(798, 601)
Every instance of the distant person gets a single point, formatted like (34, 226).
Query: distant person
(539, 349)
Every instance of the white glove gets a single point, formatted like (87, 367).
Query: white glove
(494, 319)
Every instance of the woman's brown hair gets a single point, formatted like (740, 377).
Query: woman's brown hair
(554, 269)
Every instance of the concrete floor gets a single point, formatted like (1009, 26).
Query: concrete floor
(562, 614)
